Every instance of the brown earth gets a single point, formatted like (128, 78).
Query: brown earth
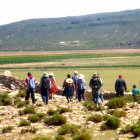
(70, 52)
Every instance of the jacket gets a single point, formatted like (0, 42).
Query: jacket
(95, 83)
(120, 85)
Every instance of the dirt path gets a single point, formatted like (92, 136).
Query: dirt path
(70, 52)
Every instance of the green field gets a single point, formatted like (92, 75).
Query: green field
(109, 66)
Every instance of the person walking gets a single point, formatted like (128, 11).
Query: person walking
(30, 81)
(120, 86)
(75, 80)
(95, 85)
(135, 91)
(68, 86)
(81, 87)
(53, 88)
(45, 85)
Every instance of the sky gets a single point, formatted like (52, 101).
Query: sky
(17, 10)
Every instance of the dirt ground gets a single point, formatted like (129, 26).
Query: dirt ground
(70, 52)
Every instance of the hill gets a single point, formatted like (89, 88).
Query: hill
(97, 31)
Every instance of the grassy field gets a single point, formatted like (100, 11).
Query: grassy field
(108, 65)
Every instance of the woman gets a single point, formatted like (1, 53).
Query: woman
(81, 87)
(53, 88)
(68, 86)
(45, 86)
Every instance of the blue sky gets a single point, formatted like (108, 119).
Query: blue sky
(16, 10)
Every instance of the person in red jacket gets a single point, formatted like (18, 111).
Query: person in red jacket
(30, 81)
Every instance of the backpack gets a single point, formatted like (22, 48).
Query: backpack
(31, 82)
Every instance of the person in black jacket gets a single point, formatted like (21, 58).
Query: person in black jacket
(120, 86)
(45, 85)
(95, 85)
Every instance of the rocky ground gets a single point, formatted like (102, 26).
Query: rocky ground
(9, 116)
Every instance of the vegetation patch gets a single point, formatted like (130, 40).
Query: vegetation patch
(116, 103)
(7, 129)
(34, 118)
(41, 138)
(31, 130)
(27, 110)
(24, 122)
(59, 137)
(69, 129)
(82, 136)
(111, 123)
(119, 113)
(137, 98)
(96, 118)
(5, 99)
(55, 120)
(63, 110)
(127, 98)
(21, 93)
(90, 105)
(52, 112)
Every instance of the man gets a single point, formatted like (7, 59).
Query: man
(120, 86)
(45, 85)
(95, 85)
(30, 81)
(75, 80)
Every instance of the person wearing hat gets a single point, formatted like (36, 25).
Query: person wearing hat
(95, 85)
(53, 88)
(75, 80)
(30, 81)
(120, 86)
(68, 86)
(81, 87)
(45, 85)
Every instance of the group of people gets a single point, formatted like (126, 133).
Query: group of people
(74, 85)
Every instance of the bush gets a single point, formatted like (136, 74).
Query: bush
(42, 138)
(31, 130)
(95, 118)
(82, 136)
(7, 129)
(58, 137)
(41, 115)
(127, 129)
(27, 110)
(21, 93)
(5, 99)
(67, 128)
(137, 98)
(112, 122)
(63, 110)
(51, 112)
(17, 100)
(20, 104)
(1, 103)
(55, 120)
(127, 98)
(34, 118)
(116, 103)
(103, 127)
(119, 113)
(24, 122)
(89, 105)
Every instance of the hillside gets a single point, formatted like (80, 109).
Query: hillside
(98, 31)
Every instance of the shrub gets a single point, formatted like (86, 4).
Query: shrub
(103, 127)
(51, 112)
(42, 138)
(63, 110)
(17, 100)
(58, 137)
(137, 98)
(135, 128)
(41, 115)
(127, 129)
(27, 110)
(127, 98)
(119, 113)
(24, 122)
(116, 103)
(1, 103)
(20, 104)
(55, 120)
(90, 105)
(7, 129)
(95, 118)
(21, 93)
(112, 122)
(31, 130)
(5, 99)
(67, 128)
(82, 136)
(34, 118)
